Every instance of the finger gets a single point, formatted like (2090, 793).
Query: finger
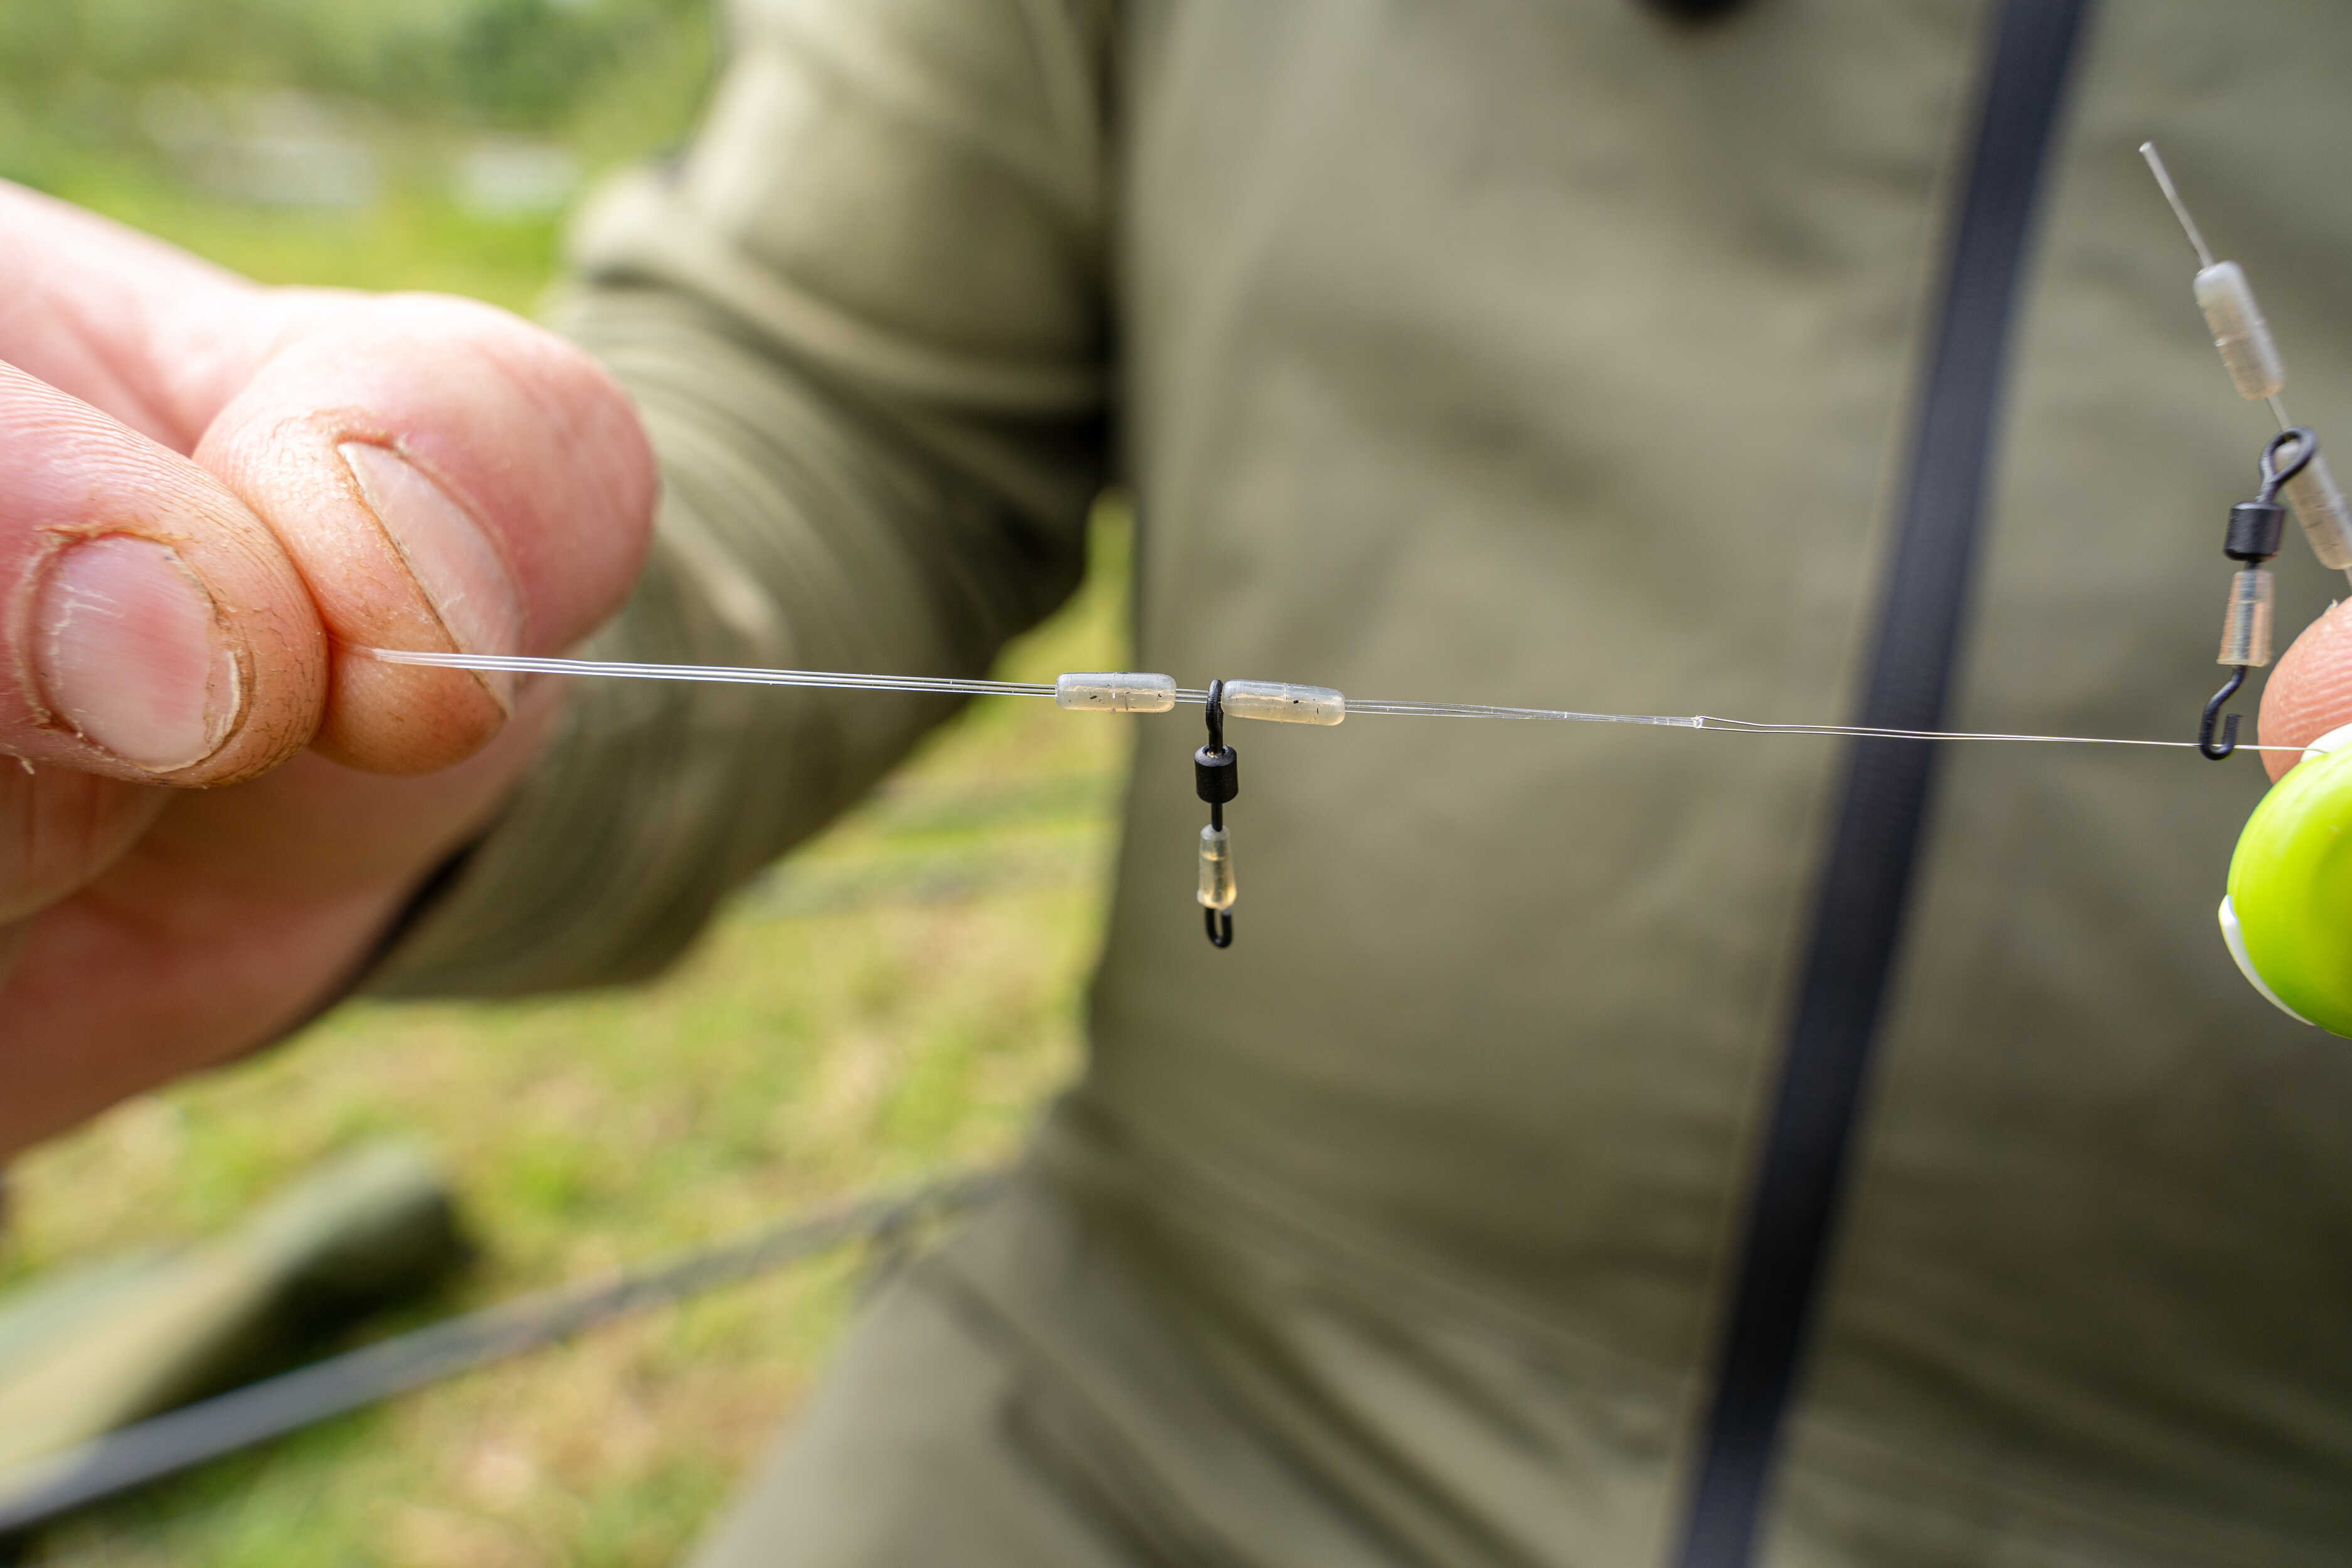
(58, 828)
(444, 474)
(79, 1035)
(146, 334)
(2310, 692)
(447, 478)
(241, 912)
(152, 628)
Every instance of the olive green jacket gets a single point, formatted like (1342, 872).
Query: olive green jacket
(1549, 353)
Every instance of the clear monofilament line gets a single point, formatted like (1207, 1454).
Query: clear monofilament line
(828, 679)
(1868, 733)
(1487, 711)
(1753, 727)
(2180, 208)
(842, 680)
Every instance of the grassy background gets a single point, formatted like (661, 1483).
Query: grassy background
(898, 996)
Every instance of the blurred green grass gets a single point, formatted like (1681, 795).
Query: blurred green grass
(900, 995)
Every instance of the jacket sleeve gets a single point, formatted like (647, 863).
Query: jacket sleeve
(863, 318)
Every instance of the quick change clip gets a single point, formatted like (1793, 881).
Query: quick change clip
(1216, 775)
(2256, 531)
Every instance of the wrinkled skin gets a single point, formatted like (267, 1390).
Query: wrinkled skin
(216, 808)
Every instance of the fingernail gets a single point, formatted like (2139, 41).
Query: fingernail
(130, 651)
(447, 551)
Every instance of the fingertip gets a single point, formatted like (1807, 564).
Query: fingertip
(403, 720)
(2310, 690)
(447, 477)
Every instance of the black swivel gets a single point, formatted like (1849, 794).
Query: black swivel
(1216, 777)
(2255, 530)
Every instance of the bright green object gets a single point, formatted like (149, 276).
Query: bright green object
(2291, 892)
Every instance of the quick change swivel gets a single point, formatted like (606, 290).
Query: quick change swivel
(2255, 530)
(1216, 775)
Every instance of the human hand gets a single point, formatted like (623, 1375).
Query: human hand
(209, 493)
(2310, 691)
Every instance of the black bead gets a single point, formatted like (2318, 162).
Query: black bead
(2256, 527)
(1217, 775)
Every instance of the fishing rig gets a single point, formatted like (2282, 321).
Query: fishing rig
(2260, 926)
(2291, 465)
(1216, 774)
(2286, 916)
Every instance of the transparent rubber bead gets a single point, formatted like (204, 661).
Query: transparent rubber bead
(2240, 331)
(1216, 869)
(2319, 506)
(1117, 691)
(2246, 627)
(1282, 702)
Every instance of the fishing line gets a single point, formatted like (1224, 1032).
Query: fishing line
(1169, 695)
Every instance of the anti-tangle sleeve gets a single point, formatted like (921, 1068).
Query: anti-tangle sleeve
(1216, 869)
(1284, 702)
(2240, 331)
(2246, 624)
(1119, 691)
(2319, 506)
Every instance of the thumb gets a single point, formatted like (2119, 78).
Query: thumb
(444, 477)
(2310, 692)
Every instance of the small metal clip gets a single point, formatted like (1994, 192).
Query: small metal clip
(2228, 742)
(2255, 530)
(2306, 446)
(1216, 778)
